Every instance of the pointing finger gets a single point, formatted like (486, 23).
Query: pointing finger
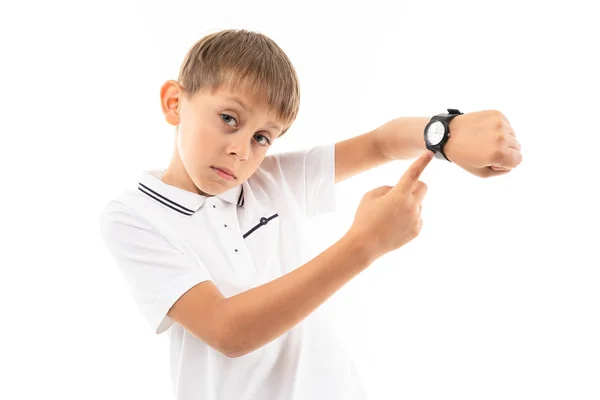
(420, 191)
(413, 173)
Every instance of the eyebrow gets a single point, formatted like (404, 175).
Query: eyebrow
(245, 107)
(240, 102)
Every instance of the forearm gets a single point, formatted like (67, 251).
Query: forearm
(260, 315)
(401, 138)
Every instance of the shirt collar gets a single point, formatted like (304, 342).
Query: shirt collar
(180, 200)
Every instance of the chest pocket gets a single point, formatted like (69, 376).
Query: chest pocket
(263, 222)
(263, 241)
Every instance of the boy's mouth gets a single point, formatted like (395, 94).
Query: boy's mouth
(225, 170)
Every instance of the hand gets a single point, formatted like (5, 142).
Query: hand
(483, 143)
(388, 217)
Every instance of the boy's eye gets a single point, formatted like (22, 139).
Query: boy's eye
(267, 141)
(227, 118)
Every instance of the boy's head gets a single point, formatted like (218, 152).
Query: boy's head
(237, 92)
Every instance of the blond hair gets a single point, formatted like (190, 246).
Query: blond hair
(240, 58)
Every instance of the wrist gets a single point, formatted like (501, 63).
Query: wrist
(450, 146)
(360, 247)
(439, 131)
(401, 138)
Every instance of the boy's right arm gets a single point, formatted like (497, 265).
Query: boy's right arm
(254, 318)
(250, 320)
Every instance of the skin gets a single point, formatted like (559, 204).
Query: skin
(212, 129)
(482, 143)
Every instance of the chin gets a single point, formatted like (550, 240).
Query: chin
(204, 187)
(214, 187)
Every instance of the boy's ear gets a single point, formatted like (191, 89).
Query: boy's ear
(170, 101)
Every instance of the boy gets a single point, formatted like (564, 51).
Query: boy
(211, 245)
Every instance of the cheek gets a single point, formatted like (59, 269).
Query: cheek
(189, 145)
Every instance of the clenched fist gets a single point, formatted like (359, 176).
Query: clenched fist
(483, 143)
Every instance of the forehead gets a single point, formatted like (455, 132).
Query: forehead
(241, 95)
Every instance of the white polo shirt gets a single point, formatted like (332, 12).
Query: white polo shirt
(165, 240)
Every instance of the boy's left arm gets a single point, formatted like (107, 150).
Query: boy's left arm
(482, 143)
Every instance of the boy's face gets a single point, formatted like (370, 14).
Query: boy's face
(225, 129)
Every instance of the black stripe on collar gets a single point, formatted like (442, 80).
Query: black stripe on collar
(156, 196)
(241, 199)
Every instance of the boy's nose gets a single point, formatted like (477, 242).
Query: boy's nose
(240, 145)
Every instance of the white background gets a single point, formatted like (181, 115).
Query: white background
(499, 296)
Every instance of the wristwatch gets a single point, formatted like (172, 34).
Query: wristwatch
(437, 132)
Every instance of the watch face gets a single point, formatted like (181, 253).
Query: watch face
(435, 132)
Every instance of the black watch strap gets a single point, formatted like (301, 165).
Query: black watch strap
(440, 154)
(452, 112)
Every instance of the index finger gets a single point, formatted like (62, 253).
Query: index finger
(413, 173)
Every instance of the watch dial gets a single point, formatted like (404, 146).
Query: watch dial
(435, 132)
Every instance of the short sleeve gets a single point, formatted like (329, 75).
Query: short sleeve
(309, 175)
(157, 272)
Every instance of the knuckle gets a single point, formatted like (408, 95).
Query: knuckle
(519, 158)
(415, 213)
(498, 119)
(416, 228)
(491, 113)
(501, 139)
(498, 155)
(414, 174)
(499, 115)
(380, 191)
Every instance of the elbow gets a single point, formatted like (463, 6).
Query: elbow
(230, 348)
(234, 353)
(227, 342)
